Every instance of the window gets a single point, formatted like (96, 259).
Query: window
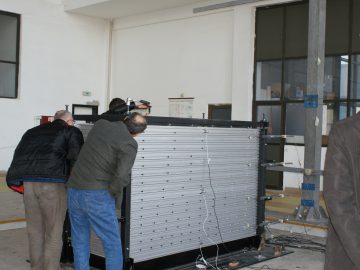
(355, 77)
(9, 54)
(281, 70)
(280, 79)
(219, 112)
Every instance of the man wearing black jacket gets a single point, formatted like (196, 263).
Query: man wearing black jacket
(42, 162)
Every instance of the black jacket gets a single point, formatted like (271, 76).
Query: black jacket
(46, 153)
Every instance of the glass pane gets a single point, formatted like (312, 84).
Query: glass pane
(296, 31)
(355, 77)
(336, 77)
(274, 154)
(295, 78)
(269, 34)
(8, 33)
(220, 112)
(268, 80)
(356, 27)
(332, 113)
(354, 108)
(337, 27)
(273, 115)
(295, 119)
(7, 80)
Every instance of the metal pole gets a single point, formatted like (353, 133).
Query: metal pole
(313, 102)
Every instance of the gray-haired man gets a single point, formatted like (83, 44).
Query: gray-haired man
(42, 163)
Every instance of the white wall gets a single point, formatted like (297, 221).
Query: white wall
(158, 55)
(208, 56)
(61, 55)
(191, 56)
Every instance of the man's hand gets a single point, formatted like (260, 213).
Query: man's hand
(141, 106)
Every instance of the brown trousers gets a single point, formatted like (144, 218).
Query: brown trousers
(45, 210)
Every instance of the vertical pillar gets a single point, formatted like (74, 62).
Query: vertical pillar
(313, 103)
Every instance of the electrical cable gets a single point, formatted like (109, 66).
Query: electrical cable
(207, 214)
(208, 237)
(207, 210)
(299, 185)
(216, 216)
(297, 241)
(267, 228)
(213, 191)
(212, 188)
(300, 164)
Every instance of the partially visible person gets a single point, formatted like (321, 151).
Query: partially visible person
(119, 106)
(42, 162)
(342, 195)
(116, 103)
(96, 184)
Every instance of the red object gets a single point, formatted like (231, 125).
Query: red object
(19, 189)
(46, 119)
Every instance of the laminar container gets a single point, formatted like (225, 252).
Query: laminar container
(195, 183)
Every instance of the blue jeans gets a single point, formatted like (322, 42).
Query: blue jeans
(94, 209)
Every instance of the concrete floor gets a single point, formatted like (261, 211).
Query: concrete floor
(14, 250)
(300, 259)
(14, 243)
(11, 206)
(14, 255)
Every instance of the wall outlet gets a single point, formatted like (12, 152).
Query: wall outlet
(86, 93)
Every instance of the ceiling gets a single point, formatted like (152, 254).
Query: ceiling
(110, 9)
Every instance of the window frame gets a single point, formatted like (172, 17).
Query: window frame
(277, 182)
(212, 107)
(283, 100)
(17, 61)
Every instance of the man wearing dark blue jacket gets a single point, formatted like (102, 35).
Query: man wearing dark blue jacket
(42, 162)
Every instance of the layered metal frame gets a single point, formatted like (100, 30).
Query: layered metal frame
(195, 185)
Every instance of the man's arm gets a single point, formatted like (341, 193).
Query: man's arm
(124, 160)
(76, 140)
(339, 195)
(11, 175)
